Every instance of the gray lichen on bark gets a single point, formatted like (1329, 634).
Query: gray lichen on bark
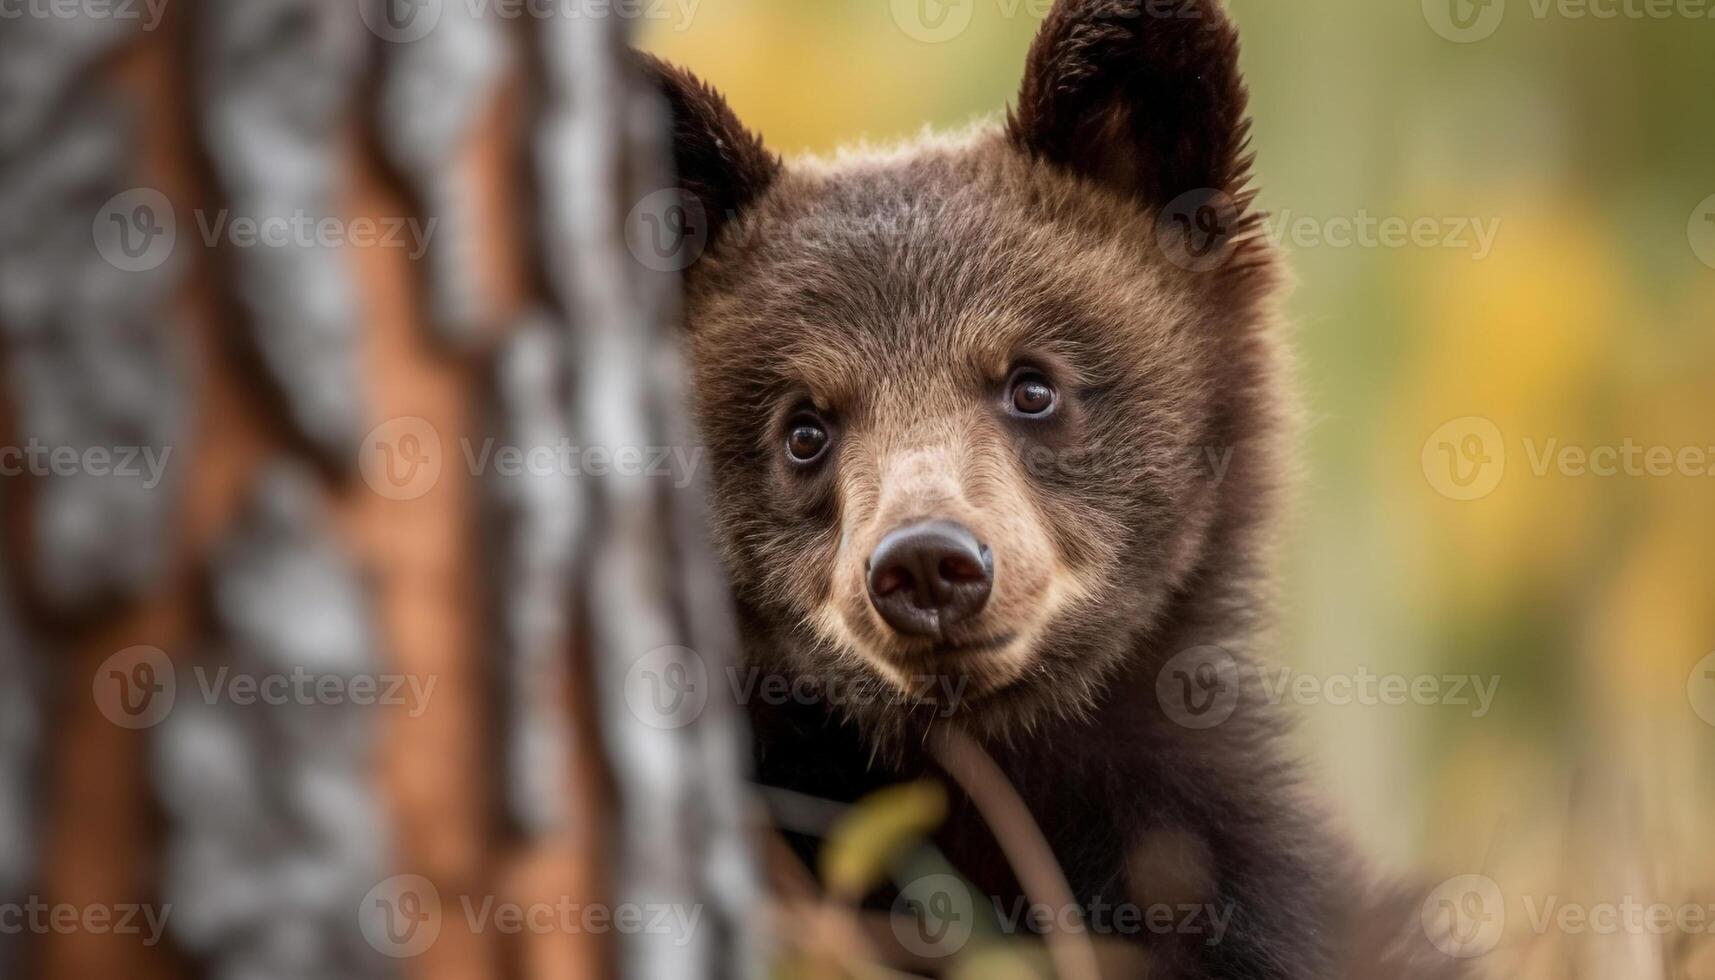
(277, 80)
(536, 516)
(95, 369)
(45, 61)
(274, 829)
(433, 91)
(652, 591)
(89, 364)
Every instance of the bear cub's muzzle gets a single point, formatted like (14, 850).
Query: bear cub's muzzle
(929, 575)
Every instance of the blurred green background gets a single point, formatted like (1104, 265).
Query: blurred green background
(1587, 145)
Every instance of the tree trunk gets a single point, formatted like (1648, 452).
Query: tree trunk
(296, 660)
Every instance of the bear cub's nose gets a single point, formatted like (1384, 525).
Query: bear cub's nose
(927, 576)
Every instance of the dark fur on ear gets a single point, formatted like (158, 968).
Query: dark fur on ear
(1144, 96)
(720, 163)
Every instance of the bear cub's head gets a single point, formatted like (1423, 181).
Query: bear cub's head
(983, 411)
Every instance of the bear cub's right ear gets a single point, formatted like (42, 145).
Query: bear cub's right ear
(722, 165)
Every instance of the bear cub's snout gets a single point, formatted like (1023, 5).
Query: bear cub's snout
(929, 575)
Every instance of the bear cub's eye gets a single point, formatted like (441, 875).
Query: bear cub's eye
(1031, 394)
(806, 439)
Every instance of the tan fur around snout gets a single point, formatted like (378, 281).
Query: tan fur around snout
(902, 468)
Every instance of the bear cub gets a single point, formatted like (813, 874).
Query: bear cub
(996, 424)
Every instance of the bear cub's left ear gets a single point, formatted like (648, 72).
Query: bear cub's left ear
(1143, 96)
(722, 165)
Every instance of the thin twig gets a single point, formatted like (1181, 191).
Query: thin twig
(1021, 840)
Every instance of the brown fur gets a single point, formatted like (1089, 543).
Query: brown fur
(894, 292)
(895, 295)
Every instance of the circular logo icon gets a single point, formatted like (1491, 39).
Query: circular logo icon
(401, 458)
(1701, 231)
(135, 688)
(1465, 459)
(401, 916)
(1196, 229)
(1465, 916)
(1700, 689)
(1464, 21)
(667, 231)
(934, 916)
(400, 21)
(933, 21)
(136, 231)
(668, 687)
(1199, 688)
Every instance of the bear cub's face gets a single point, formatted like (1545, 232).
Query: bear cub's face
(970, 405)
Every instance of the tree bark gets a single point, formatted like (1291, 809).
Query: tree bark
(307, 423)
